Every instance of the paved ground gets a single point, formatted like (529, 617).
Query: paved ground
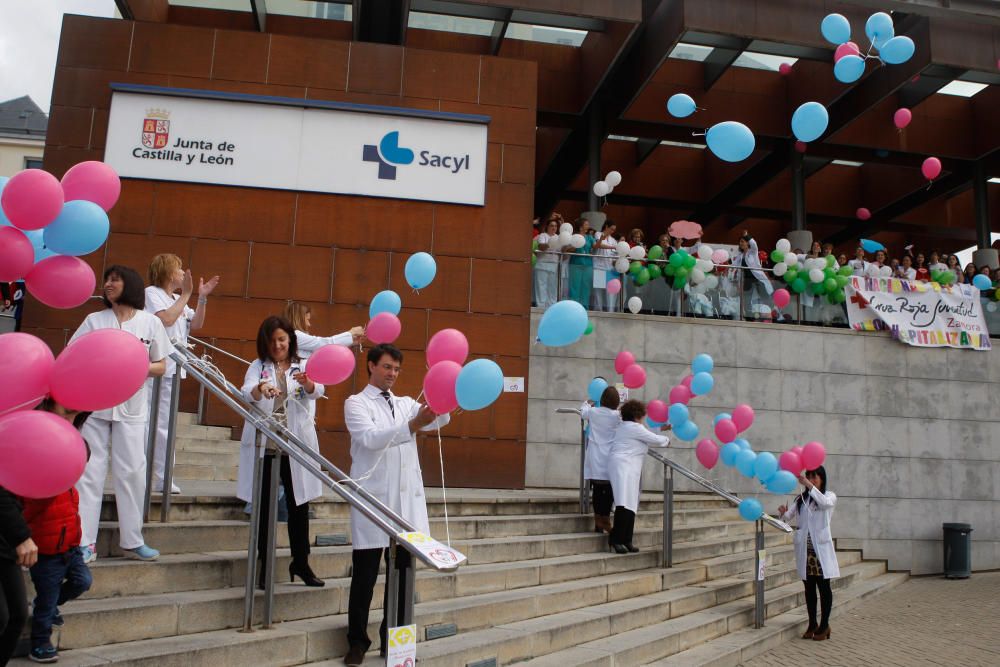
(925, 621)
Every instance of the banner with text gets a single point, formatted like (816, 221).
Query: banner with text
(918, 313)
(257, 144)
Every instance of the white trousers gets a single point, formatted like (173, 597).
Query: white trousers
(162, 424)
(545, 283)
(123, 443)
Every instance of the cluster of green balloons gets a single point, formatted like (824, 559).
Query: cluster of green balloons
(679, 267)
(943, 276)
(817, 276)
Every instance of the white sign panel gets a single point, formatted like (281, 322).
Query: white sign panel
(444, 556)
(513, 385)
(257, 144)
(402, 646)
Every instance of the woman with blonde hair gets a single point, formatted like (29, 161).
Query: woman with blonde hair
(167, 276)
(300, 316)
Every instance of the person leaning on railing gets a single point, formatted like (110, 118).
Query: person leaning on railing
(604, 249)
(546, 289)
(581, 266)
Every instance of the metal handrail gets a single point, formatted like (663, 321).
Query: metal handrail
(219, 349)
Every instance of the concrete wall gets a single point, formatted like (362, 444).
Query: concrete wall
(13, 152)
(912, 434)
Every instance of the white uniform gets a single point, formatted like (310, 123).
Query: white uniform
(117, 433)
(815, 522)
(858, 266)
(546, 266)
(599, 297)
(307, 343)
(157, 300)
(300, 422)
(603, 422)
(383, 450)
(628, 452)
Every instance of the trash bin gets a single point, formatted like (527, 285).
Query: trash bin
(957, 550)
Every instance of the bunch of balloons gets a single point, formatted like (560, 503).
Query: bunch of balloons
(699, 383)
(815, 275)
(946, 276)
(46, 225)
(684, 267)
(849, 63)
(633, 375)
(605, 187)
(449, 384)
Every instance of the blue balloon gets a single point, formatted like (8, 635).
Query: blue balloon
(836, 29)
(385, 301)
(782, 482)
(4, 222)
(686, 431)
(596, 388)
(765, 466)
(809, 121)
(37, 238)
(745, 462)
(719, 417)
(680, 105)
(420, 270)
(728, 453)
(871, 246)
(730, 141)
(653, 425)
(897, 50)
(743, 443)
(563, 323)
(879, 29)
(982, 283)
(703, 363)
(849, 69)
(479, 383)
(679, 413)
(81, 228)
(751, 509)
(702, 383)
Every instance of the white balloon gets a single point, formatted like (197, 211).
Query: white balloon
(565, 228)
(577, 241)
(622, 248)
(705, 251)
(816, 276)
(991, 307)
(621, 265)
(815, 263)
(601, 189)
(613, 179)
(885, 271)
(638, 252)
(780, 268)
(711, 281)
(565, 238)
(697, 275)
(635, 304)
(791, 259)
(700, 288)
(703, 264)
(783, 245)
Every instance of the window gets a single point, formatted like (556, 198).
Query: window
(446, 23)
(690, 52)
(32, 163)
(765, 61)
(547, 34)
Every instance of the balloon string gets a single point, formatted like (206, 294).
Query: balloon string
(444, 489)
(30, 401)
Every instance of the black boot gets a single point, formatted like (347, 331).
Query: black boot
(625, 527)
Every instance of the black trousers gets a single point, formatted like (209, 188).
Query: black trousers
(602, 497)
(624, 526)
(364, 575)
(298, 515)
(825, 599)
(13, 608)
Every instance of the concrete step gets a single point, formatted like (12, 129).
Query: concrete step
(218, 459)
(185, 471)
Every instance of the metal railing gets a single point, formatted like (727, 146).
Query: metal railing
(666, 556)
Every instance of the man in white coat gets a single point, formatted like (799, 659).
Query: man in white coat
(384, 461)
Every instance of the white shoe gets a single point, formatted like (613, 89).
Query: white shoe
(174, 489)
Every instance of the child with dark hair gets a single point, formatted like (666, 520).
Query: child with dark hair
(604, 420)
(628, 452)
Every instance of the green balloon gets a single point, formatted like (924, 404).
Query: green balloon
(654, 271)
(777, 256)
(846, 271)
(533, 259)
(655, 252)
(799, 285)
(841, 281)
(635, 267)
(830, 284)
(690, 262)
(590, 328)
(677, 259)
(830, 261)
(679, 282)
(642, 277)
(534, 244)
(828, 273)
(682, 272)
(791, 275)
(669, 270)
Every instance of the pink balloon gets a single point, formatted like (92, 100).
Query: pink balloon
(791, 462)
(863, 213)
(32, 199)
(720, 256)
(725, 430)
(614, 286)
(383, 328)
(99, 370)
(447, 345)
(813, 455)
(686, 382)
(846, 49)
(785, 69)
(439, 386)
(798, 451)
(931, 169)
(93, 181)
(331, 364)
(623, 361)
(781, 297)
(42, 454)
(902, 118)
(657, 411)
(634, 376)
(680, 394)
(707, 453)
(742, 417)
(61, 281)
(25, 371)
(17, 255)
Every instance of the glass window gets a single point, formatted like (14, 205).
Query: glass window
(446, 23)
(334, 11)
(32, 163)
(549, 35)
(765, 61)
(228, 5)
(962, 88)
(690, 52)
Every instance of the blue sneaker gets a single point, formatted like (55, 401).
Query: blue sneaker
(46, 653)
(89, 553)
(145, 552)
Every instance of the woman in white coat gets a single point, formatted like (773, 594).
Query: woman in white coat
(276, 383)
(755, 280)
(815, 556)
(300, 315)
(628, 452)
(604, 420)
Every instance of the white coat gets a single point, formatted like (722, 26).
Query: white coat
(814, 520)
(384, 461)
(751, 260)
(307, 343)
(300, 422)
(603, 422)
(628, 452)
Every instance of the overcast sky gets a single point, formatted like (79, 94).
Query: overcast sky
(29, 42)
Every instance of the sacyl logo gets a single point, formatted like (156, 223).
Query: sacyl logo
(388, 154)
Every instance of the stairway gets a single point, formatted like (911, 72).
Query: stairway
(539, 588)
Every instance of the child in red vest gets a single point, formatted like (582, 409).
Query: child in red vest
(60, 574)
